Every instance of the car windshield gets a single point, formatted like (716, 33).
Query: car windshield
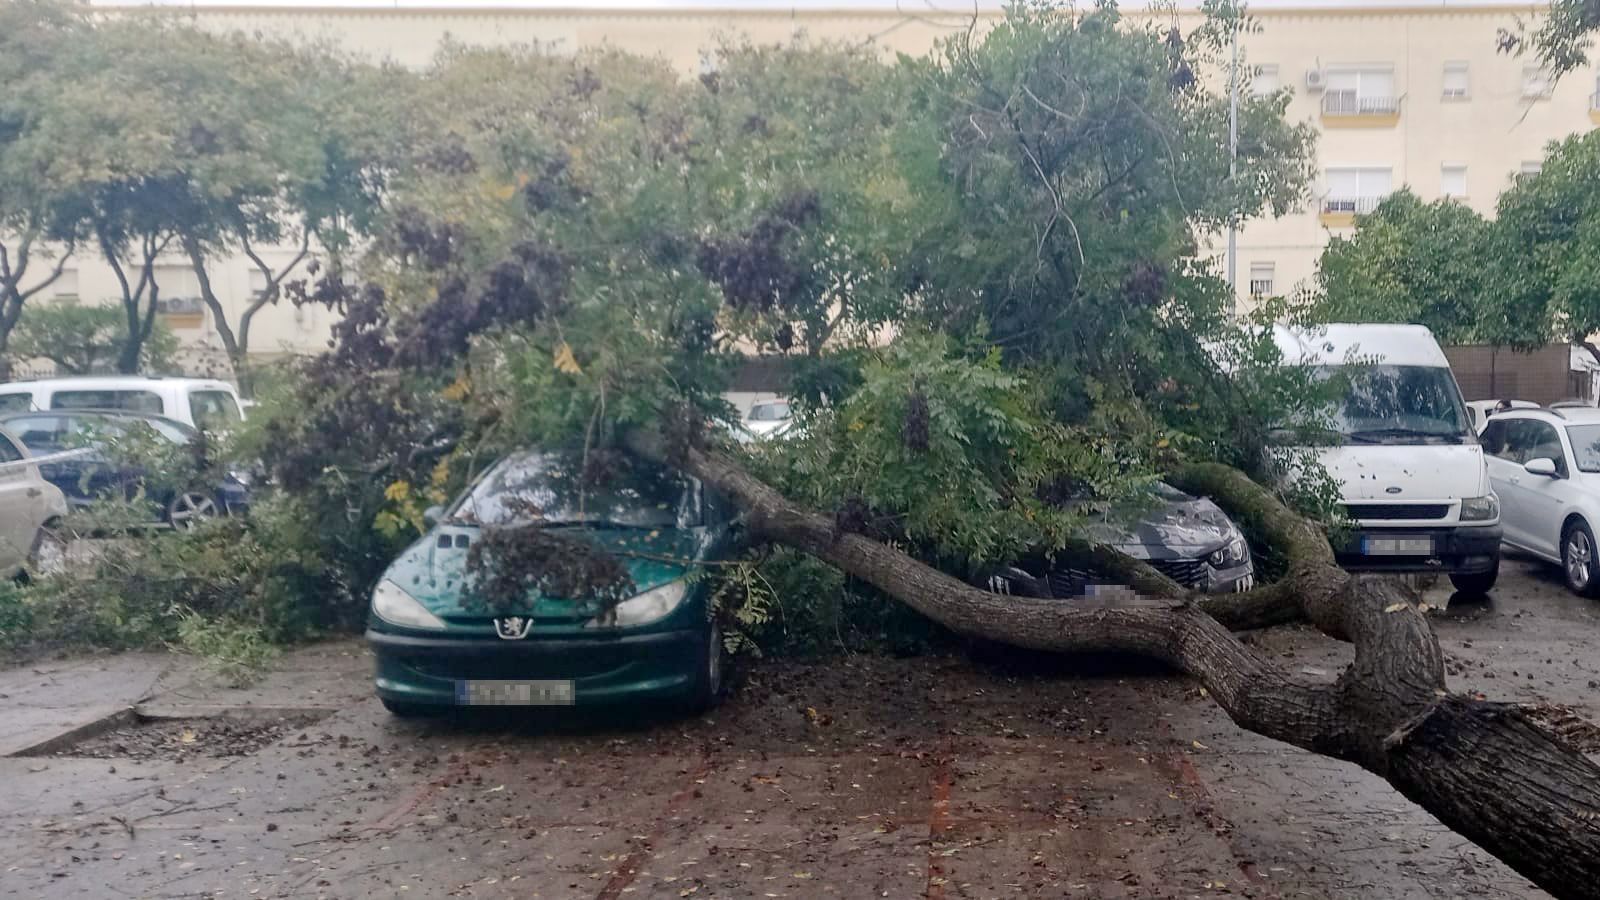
(1585, 446)
(1386, 404)
(769, 412)
(554, 489)
(108, 426)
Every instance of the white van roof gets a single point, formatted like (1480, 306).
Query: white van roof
(1335, 344)
(113, 383)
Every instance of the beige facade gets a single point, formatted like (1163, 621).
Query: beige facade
(1403, 95)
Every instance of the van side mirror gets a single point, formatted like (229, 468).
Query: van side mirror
(1541, 466)
(432, 515)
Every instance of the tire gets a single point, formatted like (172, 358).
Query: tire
(711, 673)
(1477, 584)
(1578, 563)
(188, 508)
(49, 553)
(402, 710)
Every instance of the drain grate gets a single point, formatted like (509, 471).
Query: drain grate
(138, 736)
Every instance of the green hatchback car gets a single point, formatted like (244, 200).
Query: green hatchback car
(437, 649)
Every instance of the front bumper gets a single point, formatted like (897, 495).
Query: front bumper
(603, 668)
(1457, 550)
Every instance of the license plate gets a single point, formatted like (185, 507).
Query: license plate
(513, 693)
(1396, 546)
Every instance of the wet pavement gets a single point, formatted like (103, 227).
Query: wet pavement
(989, 775)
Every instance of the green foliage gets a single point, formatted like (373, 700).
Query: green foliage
(1416, 262)
(84, 340)
(804, 608)
(236, 652)
(1562, 40)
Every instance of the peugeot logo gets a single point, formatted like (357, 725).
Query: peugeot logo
(1391, 490)
(513, 628)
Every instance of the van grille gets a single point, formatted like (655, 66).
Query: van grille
(1361, 511)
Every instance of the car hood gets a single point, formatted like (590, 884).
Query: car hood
(433, 570)
(1406, 473)
(1178, 529)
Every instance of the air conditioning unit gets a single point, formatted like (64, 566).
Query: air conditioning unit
(1316, 79)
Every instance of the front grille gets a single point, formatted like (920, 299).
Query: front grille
(1191, 573)
(496, 667)
(1363, 511)
(1067, 583)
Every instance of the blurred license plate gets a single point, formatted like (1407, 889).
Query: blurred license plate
(514, 693)
(1396, 546)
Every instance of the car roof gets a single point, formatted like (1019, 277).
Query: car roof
(1572, 415)
(113, 382)
(1335, 344)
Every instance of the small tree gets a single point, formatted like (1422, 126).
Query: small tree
(83, 340)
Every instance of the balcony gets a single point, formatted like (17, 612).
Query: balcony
(1351, 109)
(1341, 212)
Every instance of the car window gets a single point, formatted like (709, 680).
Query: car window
(1585, 446)
(1494, 438)
(10, 403)
(133, 401)
(213, 410)
(41, 434)
(8, 451)
(1533, 439)
(769, 412)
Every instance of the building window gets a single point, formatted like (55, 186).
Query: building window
(258, 284)
(1357, 190)
(1457, 82)
(65, 287)
(1452, 180)
(1266, 80)
(1530, 167)
(1536, 82)
(1360, 92)
(1594, 98)
(1261, 279)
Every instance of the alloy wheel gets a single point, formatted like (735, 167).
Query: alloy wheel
(1579, 558)
(189, 509)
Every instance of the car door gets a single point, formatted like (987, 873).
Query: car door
(1546, 498)
(22, 506)
(1537, 499)
(1500, 458)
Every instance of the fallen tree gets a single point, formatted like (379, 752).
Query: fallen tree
(1484, 769)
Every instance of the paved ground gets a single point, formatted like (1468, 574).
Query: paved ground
(952, 777)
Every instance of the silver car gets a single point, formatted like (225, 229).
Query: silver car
(1188, 539)
(28, 506)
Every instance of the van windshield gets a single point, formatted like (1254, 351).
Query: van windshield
(1384, 404)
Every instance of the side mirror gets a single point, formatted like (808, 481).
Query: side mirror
(1541, 466)
(432, 515)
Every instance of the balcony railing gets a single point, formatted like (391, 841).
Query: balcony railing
(1260, 287)
(1350, 204)
(1350, 103)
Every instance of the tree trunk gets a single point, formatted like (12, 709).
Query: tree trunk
(1483, 769)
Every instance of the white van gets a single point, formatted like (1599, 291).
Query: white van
(1405, 453)
(204, 403)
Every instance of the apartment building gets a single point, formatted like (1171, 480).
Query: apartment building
(1403, 95)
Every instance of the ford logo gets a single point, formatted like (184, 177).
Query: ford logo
(1391, 490)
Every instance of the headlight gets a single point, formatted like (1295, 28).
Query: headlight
(1230, 554)
(651, 606)
(391, 603)
(1480, 509)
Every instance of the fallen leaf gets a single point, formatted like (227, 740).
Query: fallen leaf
(565, 361)
(1199, 746)
(1394, 607)
(188, 737)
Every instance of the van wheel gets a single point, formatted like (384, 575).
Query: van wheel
(1578, 560)
(1477, 584)
(710, 682)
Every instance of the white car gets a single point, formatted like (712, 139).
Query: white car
(1482, 410)
(201, 403)
(29, 505)
(767, 418)
(1545, 466)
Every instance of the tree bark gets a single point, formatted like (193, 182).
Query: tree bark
(1485, 770)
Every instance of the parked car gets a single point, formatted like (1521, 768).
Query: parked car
(1399, 442)
(439, 645)
(29, 508)
(1189, 539)
(196, 402)
(768, 418)
(1545, 465)
(73, 443)
(1480, 410)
